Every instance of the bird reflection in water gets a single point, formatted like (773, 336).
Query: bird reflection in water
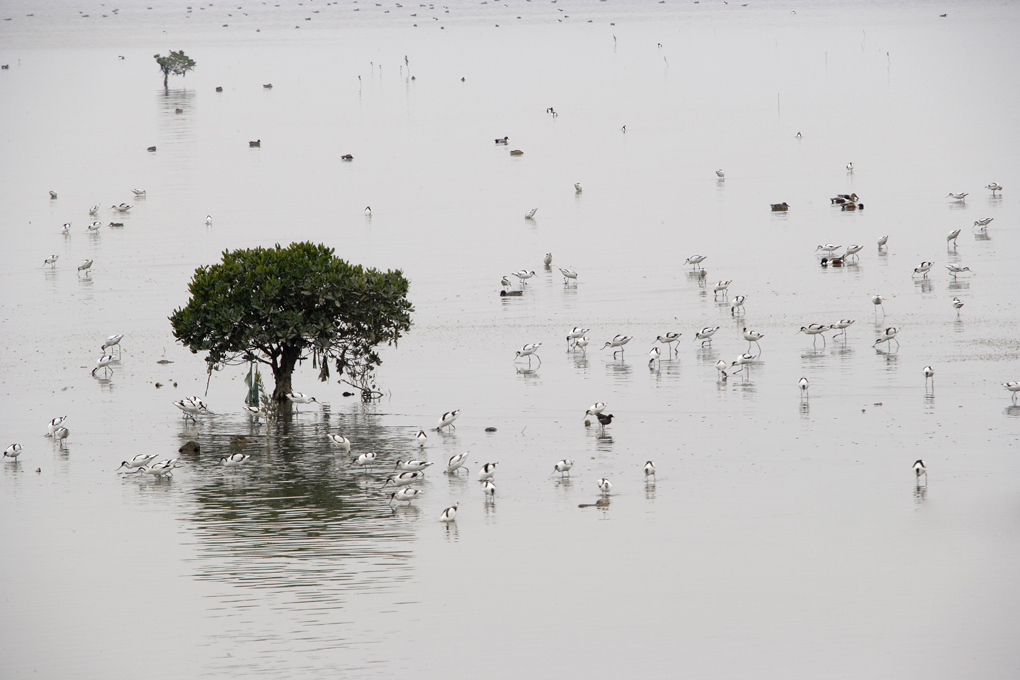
(920, 492)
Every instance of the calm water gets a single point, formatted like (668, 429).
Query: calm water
(781, 539)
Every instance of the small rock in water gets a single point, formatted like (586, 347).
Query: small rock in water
(348, 394)
(490, 429)
(190, 448)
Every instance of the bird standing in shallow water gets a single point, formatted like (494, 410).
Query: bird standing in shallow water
(523, 275)
(618, 341)
(957, 305)
(815, 330)
(86, 267)
(12, 452)
(738, 303)
(952, 237)
(649, 469)
(841, 326)
(529, 351)
(299, 398)
(956, 269)
(489, 489)
(803, 384)
(51, 261)
(340, 441)
(563, 467)
(669, 339)
(530, 214)
(960, 198)
(234, 459)
(705, 335)
(575, 333)
(877, 300)
(113, 341)
(920, 471)
(104, 363)
(882, 241)
(450, 513)
(568, 275)
(405, 495)
(929, 374)
(141, 460)
(604, 419)
(52, 426)
(923, 269)
(456, 462)
(984, 222)
(412, 465)
(696, 260)
(446, 420)
(888, 335)
(752, 337)
(994, 186)
(421, 438)
(721, 366)
(1014, 387)
(487, 471)
(365, 459)
(605, 486)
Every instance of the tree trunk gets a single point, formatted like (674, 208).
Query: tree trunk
(165, 76)
(282, 371)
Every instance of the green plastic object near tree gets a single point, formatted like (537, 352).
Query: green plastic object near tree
(176, 63)
(278, 305)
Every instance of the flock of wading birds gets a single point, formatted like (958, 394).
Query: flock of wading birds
(407, 472)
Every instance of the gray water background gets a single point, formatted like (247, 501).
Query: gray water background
(779, 540)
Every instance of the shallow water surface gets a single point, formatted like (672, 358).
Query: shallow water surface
(783, 532)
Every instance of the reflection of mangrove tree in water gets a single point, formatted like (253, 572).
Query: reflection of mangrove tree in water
(296, 516)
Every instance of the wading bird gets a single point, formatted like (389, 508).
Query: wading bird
(815, 330)
(446, 420)
(705, 335)
(618, 341)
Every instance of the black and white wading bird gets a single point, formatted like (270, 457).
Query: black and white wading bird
(446, 420)
(529, 351)
(618, 341)
(456, 462)
(670, 339)
(705, 335)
